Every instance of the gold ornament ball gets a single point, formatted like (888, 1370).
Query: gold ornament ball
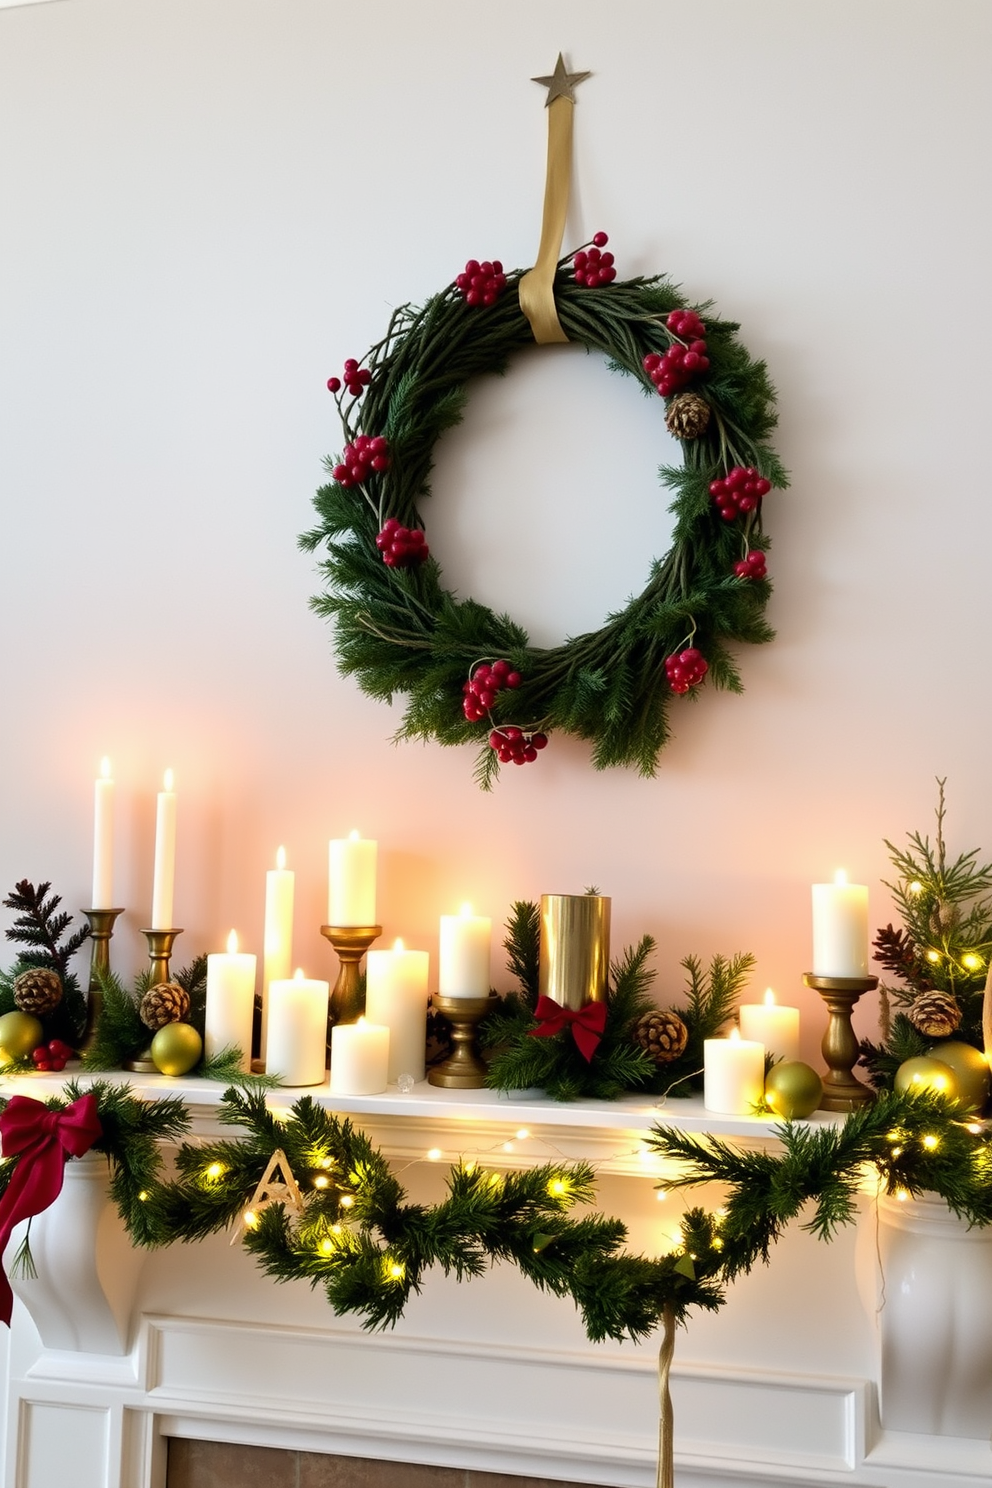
(176, 1049)
(970, 1068)
(926, 1073)
(793, 1089)
(19, 1034)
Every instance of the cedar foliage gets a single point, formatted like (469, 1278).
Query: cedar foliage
(41, 928)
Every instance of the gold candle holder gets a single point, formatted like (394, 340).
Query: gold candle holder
(575, 948)
(101, 932)
(842, 1090)
(160, 943)
(464, 1068)
(347, 998)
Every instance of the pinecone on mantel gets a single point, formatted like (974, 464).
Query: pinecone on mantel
(38, 991)
(662, 1035)
(166, 1003)
(934, 1014)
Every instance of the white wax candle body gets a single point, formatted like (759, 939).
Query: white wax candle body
(396, 996)
(163, 882)
(351, 881)
(840, 930)
(733, 1076)
(230, 1004)
(777, 1028)
(280, 891)
(359, 1058)
(464, 955)
(103, 845)
(297, 1030)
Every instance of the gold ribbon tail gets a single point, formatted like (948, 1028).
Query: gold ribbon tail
(666, 1416)
(537, 297)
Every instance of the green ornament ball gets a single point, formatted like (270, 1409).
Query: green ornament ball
(793, 1089)
(971, 1070)
(20, 1033)
(176, 1049)
(923, 1072)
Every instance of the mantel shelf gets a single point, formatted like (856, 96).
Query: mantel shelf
(609, 1133)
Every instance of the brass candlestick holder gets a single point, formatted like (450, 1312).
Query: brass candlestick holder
(101, 932)
(347, 996)
(464, 1068)
(160, 943)
(842, 1090)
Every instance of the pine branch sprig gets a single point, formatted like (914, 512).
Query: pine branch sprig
(41, 927)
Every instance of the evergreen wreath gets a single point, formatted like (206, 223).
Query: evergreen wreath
(470, 675)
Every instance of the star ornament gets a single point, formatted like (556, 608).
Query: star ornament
(561, 82)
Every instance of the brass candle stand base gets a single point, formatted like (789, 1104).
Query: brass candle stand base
(842, 1090)
(464, 1068)
(101, 932)
(160, 943)
(347, 996)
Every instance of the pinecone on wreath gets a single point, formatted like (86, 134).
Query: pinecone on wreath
(688, 416)
(166, 1003)
(38, 991)
(662, 1035)
(935, 1014)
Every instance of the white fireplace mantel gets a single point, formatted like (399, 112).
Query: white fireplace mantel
(114, 1350)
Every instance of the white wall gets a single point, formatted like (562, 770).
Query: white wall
(208, 204)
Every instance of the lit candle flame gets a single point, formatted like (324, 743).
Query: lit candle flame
(167, 781)
(280, 858)
(353, 835)
(232, 943)
(298, 974)
(466, 911)
(105, 768)
(769, 997)
(398, 944)
(840, 877)
(735, 1035)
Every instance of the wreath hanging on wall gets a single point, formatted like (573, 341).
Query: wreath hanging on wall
(471, 675)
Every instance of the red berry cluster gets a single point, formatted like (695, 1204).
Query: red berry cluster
(753, 566)
(360, 459)
(482, 283)
(739, 491)
(514, 746)
(401, 547)
(481, 688)
(685, 669)
(593, 268)
(681, 364)
(53, 1056)
(356, 378)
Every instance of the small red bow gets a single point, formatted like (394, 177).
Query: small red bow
(43, 1140)
(587, 1023)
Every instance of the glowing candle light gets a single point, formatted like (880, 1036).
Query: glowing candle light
(773, 1025)
(103, 840)
(277, 946)
(840, 928)
(464, 954)
(164, 879)
(298, 1029)
(351, 881)
(733, 1075)
(396, 996)
(359, 1058)
(230, 1002)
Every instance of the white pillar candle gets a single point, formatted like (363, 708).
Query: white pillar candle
(396, 996)
(464, 954)
(359, 1058)
(230, 1002)
(771, 1024)
(164, 879)
(298, 1030)
(351, 881)
(840, 928)
(103, 840)
(280, 888)
(733, 1075)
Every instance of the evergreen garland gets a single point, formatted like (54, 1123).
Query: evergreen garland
(398, 630)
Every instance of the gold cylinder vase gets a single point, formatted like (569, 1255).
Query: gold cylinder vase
(575, 948)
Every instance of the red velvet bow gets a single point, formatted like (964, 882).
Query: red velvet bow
(587, 1023)
(43, 1140)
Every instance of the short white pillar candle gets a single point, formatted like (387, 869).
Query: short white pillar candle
(773, 1025)
(359, 1058)
(396, 996)
(840, 928)
(298, 1030)
(230, 1002)
(733, 1075)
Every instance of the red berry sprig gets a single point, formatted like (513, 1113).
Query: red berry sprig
(356, 379)
(515, 746)
(739, 491)
(481, 283)
(593, 268)
(753, 566)
(358, 460)
(685, 669)
(482, 686)
(685, 359)
(52, 1056)
(401, 547)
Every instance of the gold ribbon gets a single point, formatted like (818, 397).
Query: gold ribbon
(537, 297)
(666, 1415)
